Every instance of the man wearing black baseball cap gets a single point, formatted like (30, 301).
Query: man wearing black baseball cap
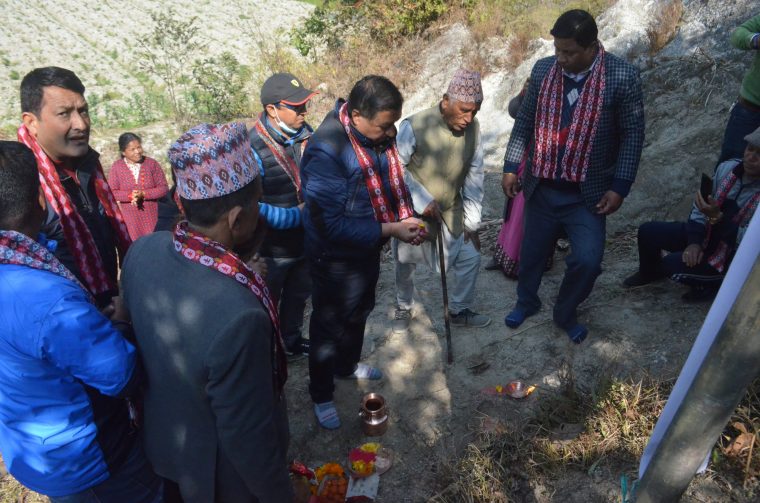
(279, 137)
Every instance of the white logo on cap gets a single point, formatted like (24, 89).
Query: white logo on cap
(294, 82)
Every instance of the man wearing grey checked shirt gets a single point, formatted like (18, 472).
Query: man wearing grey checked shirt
(582, 127)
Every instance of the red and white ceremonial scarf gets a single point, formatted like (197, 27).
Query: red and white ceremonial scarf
(207, 252)
(582, 129)
(78, 236)
(283, 159)
(719, 258)
(383, 213)
(19, 249)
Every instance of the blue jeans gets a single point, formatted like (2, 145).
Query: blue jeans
(741, 122)
(653, 237)
(290, 285)
(343, 296)
(547, 213)
(133, 482)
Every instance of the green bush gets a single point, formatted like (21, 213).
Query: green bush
(382, 21)
(220, 93)
(14, 75)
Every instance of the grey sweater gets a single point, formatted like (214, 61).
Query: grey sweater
(213, 420)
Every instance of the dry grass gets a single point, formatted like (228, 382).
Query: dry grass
(665, 25)
(738, 449)
(610, 425)
(571, 429)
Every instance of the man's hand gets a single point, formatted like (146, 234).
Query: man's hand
(709, 208)
(116, 311)
(409, 230)
(510, 184)
(610, 203)
(259, 265)
(692, 255)
(474, 237)
(433, 211)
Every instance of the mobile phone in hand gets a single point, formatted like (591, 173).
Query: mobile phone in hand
(706, 187)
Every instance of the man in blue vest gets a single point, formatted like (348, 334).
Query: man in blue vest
(279, 137)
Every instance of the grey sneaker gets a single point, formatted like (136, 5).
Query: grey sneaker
(468, 318)
(401, 320)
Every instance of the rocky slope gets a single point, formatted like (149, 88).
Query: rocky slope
(689, 87)
(99, 39)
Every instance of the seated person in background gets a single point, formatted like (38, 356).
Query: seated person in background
(704, 246)
(64, 430)
(137, 182)
(208, 331)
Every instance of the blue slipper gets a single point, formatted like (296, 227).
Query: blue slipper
(327, 415)
(516, 317)
(363, 371)
(577, 333)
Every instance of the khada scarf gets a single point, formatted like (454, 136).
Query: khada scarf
(77, 234)
(403, 201)
(582, 130)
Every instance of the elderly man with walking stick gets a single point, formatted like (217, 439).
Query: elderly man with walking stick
(442, 151)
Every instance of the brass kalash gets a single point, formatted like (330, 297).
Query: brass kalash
(373, 415)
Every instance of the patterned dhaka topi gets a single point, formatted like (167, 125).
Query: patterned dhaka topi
(212, 160)
(465, 86)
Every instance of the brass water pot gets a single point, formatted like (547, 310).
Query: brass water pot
(373, 415)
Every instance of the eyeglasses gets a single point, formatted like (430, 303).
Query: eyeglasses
(299, 109)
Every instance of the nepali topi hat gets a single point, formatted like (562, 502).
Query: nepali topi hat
(465, 86)
(212, 160)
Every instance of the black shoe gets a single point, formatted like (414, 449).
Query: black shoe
(636, 279)
(298, 350)
(695, 295)
(467, 318)
(492, 265)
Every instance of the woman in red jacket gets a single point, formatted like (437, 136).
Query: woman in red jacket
(137, 183)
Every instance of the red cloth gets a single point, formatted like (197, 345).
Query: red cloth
(140, 221)
(76, 232)
(578, 139)
(209, 253)
(383, 213)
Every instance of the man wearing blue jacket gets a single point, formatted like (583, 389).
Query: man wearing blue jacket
(64, 367)
(356, 200)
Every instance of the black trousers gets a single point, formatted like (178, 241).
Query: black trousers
(654, 237)
(343, 296)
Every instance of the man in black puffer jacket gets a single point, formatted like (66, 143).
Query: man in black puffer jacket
(278, 137)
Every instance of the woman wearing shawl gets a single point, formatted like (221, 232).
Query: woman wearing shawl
(356, 199)
(137, 182)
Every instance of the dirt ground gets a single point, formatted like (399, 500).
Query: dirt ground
(435, 408)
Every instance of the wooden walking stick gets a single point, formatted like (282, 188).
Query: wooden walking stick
(442, 261)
